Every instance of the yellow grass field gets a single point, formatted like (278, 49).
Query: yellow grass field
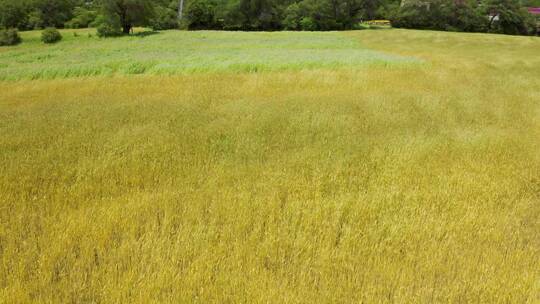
(378, 183)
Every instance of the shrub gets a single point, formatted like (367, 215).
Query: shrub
(108, 26)
(9, 37)
(308, 24)
(50, 35)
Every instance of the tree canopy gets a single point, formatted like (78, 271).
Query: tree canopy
(115, 17)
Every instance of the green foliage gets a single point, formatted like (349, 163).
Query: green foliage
(468, 18)
(233, 18)
(496, 16)
(82, 18)
(13, 14)
(269, 15)
(308, 24)
(34, 14)
(126, 13)
(164, 18)
(530, 3)
(201, 14)
(50, 35)
(9, 37)
(325, 15)
(441, 15)
(292, 17)
(53, 13)
(35, 20)
(253, 15)
(108, 26)
(512, 18)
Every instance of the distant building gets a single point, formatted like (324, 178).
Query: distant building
(534, 10)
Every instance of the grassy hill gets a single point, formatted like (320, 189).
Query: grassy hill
(366, 166)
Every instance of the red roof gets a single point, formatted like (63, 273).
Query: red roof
(534, 10)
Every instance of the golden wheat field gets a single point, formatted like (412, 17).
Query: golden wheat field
(404, 170)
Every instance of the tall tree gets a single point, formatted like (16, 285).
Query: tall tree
(129, 13)
(54, 12)
(14, 13)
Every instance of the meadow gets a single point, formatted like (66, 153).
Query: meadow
(373, 166)
(171, 53)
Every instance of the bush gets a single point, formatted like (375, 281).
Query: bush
(50, 35)
(108, 26)
(308, 24)
(9, 37)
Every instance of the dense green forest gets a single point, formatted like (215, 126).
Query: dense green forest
(115, 17)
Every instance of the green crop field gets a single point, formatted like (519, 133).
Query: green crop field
(366, 166)
(173, 52)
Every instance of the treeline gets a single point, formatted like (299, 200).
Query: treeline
(495, 16)
(116, 17)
